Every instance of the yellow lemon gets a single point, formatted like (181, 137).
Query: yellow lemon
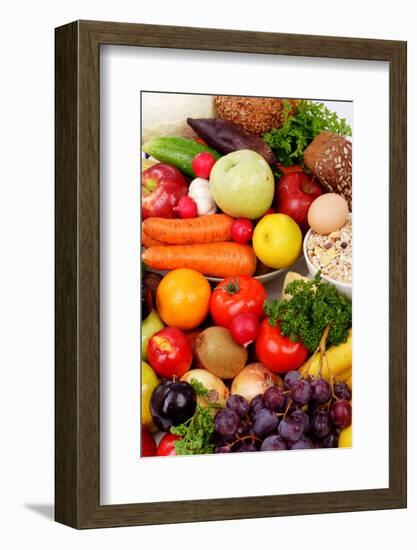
(345, 437)
(149, 383)
(277, 241)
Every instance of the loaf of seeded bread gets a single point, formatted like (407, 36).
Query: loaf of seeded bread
(256, 115)
(329, 158)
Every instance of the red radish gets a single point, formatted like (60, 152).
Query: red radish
(242, 230)
(244, 328)
(148, 443)
(202, 164)
(186, 208)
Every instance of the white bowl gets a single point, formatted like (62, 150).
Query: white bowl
(343, 288)
(265, 278)
(262, 278)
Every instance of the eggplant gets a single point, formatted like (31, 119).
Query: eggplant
(225, 137)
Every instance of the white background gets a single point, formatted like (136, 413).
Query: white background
(125, 478)
(26, 295)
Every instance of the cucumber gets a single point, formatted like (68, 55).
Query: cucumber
(178, 151)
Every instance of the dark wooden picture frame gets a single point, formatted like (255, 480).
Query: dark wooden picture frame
(77, 373)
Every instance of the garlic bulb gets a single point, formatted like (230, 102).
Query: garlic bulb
(199, 191)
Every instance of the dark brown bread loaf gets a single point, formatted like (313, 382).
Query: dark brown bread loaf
(329, 158)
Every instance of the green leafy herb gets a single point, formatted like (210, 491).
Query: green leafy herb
(199, 388)
(300, 128)
(197, 432)
(312, 307)
(209, 396)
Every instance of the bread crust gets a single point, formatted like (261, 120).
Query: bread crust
(256, 115)
(329, 158)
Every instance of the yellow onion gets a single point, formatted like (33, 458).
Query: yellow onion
(218, 392)
(253, 380)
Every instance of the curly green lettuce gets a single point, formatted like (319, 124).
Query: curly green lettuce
(300, 128)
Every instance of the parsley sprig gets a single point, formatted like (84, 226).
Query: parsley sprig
(300, 128)
(197, 432)
(312, 307)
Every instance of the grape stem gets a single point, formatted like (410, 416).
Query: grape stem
(243, 438)
(323, 357)
(290, 402)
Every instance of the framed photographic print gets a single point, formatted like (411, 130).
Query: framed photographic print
(230, 274)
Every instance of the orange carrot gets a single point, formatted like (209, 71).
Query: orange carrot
(212, 259)
(147, 242)
(203, 229)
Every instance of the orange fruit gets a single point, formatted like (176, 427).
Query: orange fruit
(183, 298)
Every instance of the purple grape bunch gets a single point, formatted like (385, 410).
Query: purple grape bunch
(300, 414)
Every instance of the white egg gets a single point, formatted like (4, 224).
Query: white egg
(327, 213)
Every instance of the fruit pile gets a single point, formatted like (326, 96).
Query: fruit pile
(224, 368)
(224, 377)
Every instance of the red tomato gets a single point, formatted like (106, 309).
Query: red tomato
(148, 443)
(277, 352)
(166, 445)
(237, 294)
(169, 353)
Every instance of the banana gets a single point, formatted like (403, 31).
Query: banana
(344, 375)
(339, 359)
(345, 437)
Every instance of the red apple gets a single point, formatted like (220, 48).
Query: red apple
(289, 169)
(295, 192)
(162, 187)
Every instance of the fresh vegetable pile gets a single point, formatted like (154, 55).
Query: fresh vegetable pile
(226, 368)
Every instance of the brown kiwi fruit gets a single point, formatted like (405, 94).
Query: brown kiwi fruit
(217, 352)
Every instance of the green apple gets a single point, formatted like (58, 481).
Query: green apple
(150, 326)
(242, 184)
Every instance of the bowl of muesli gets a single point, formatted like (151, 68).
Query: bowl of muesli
(332, 255)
